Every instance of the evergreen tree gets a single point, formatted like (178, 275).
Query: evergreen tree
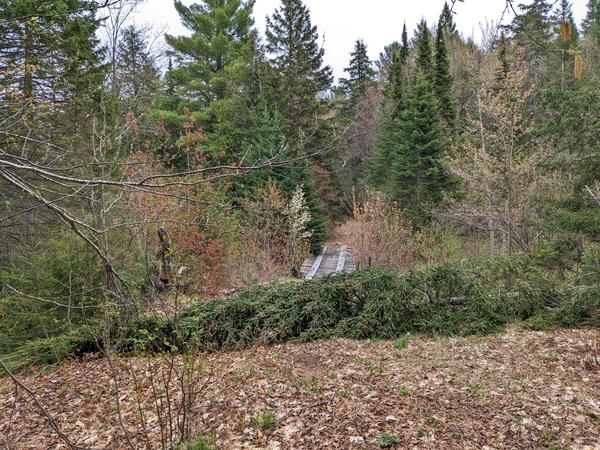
(503, 65)
(424, 59)
(566, 41)
(268, 140)
(564, 15)
(137, 77)
(443, 81)
(385, 57)
(292, 41)
(531, 30)
(418, 175)
(221, 31)
(404, 51)
(212, 76)
(379, 162)
(360, 72)
(591, 23)
(52, 56)
(170, 88)
(447, 21)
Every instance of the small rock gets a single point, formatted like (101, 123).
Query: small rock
(391, 419)
(357, 440)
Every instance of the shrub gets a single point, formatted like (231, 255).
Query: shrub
(202, 442)
(387, 440)
(449, 299)
(401, 343)
(266, 420)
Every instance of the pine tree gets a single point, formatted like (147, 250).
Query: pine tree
(447, 21)
(424, 59)
(443, 81)
(418, 175)
(360, 72)
(212, 78)
(385, 57)
(221, 33)
(292, 41)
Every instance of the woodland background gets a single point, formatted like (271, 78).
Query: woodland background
(136, 181)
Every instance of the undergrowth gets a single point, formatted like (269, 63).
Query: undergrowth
(450, 299)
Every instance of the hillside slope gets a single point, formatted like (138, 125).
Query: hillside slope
(519, 389)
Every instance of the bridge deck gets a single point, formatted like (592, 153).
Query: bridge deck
(329, 260)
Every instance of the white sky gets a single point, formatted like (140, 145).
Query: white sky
(341, 22)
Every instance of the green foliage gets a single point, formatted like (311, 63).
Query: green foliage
(591, 23)
(212, 75)
(418, 175)
(402, 343)
(447, 20)
(266, 420)
(379, 162)
(59, 40)
(202, 442)
(269, 140)
(571, 125)
(386, 440)
(424, 57)
(50, 350)
(451, 299)
(137, 79)
(293, 42)
(360, 73)
(531, 30)
(58, 280)
(443, 81)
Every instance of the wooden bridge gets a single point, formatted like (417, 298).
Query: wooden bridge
(329, 260)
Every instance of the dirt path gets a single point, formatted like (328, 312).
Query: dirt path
(517, 390)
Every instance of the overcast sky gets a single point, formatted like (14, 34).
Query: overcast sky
(341, 22)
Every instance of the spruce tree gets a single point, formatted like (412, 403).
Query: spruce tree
(502, 65)
(268, 140)
(360, 72)
(293, 43)
(137, 76)
(566, 40)
(418, 175)
(386, 57)
(379, 162)
(531, 30)
(405, 50)
(591, 22)
(444, 81)
(447, 21)
(54, 55)
(424, 59)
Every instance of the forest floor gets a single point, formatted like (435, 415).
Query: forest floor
(518, 389)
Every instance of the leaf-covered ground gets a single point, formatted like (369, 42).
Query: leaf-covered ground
(518, 389)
